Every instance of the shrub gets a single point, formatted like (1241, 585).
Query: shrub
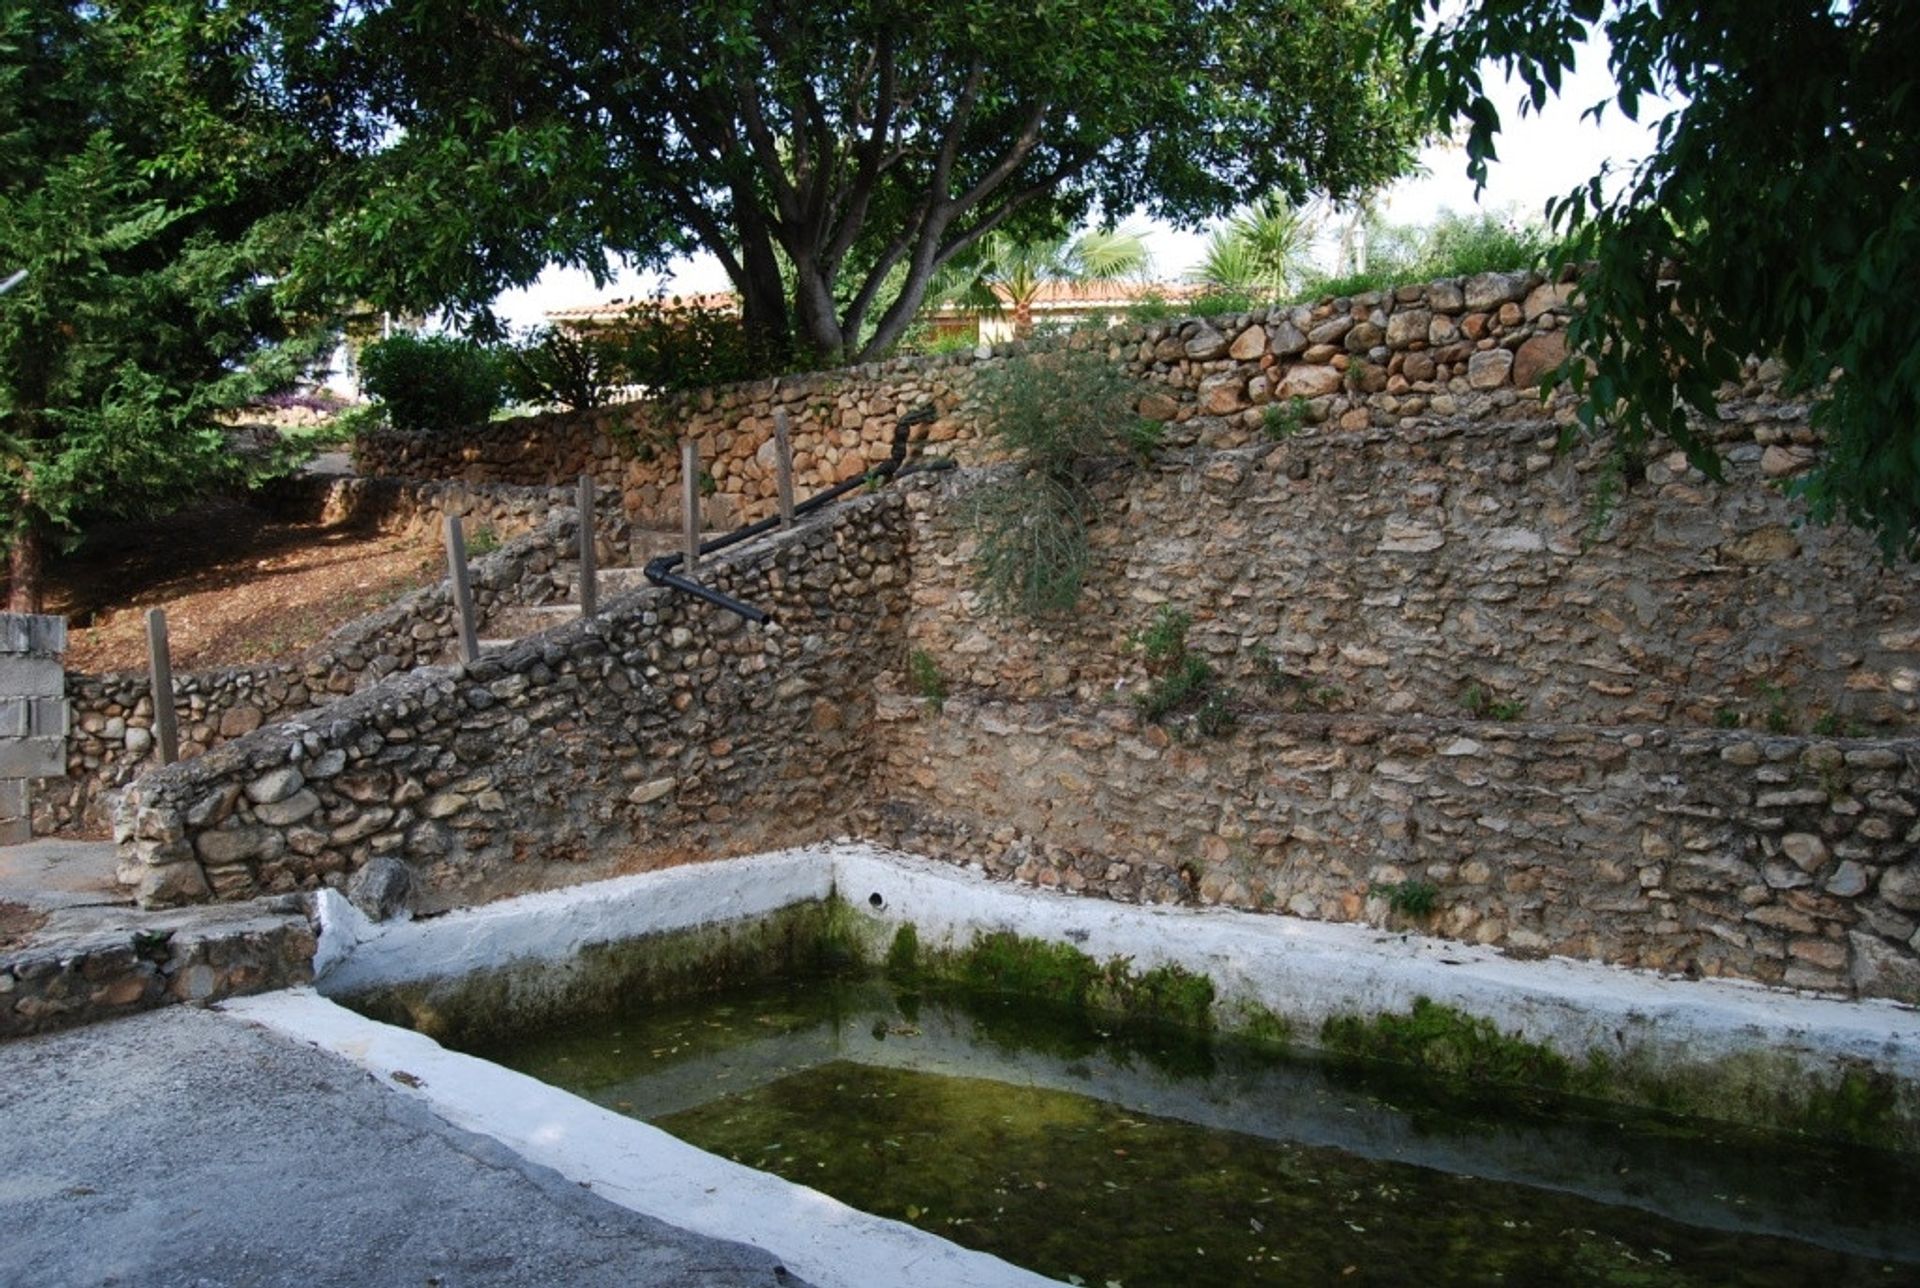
(432, 384)
(553, 367)
(673, 345)
(1051, 412)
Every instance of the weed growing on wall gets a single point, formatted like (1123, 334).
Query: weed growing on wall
(1483, 705)
(1282, 420)
(1414, 898)
(923, 674)
(1182, 680)
(1053, 413)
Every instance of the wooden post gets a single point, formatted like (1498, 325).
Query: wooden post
(589, 571)
(166, 725)
(783, 462)
(462, 589)
(690, 505)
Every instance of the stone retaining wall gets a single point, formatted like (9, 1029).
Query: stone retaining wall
(112, 738)
(1446, 347)
(1781, 859)
(84, 976)
(1398, 570)
(661, 731)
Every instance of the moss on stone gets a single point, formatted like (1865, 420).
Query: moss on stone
(903, 954)
(1456, 1049)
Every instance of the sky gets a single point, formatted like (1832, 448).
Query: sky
(1542, 156)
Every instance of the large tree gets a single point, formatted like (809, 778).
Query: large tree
(1778, 214)
(148, 184)
(834, 156)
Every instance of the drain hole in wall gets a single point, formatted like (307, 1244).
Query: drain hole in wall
(876, 900)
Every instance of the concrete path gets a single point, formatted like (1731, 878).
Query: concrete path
(47, 874)
(185, 1148)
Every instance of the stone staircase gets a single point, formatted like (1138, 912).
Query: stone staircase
(508, 626)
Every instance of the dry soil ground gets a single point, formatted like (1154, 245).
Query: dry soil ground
(238, 586)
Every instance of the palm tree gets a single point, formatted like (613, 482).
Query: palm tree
(1263, 248)
(1004, 274)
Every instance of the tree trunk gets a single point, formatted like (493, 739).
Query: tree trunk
(1023, 317)
(25, 558)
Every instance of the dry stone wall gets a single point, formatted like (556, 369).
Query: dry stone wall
(662, 730)
(112, 741)
(1444, 347)
(1406, 569)
(1782, 859)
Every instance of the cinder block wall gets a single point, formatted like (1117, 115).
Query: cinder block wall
(33, 714)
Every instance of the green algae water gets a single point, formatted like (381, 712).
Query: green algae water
(1147, 1156)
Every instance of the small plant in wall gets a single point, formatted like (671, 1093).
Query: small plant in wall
(1182, 680)
(1282, 420)
(1481, 703)
(923, 674)
(1415, 899)
(1297, 691)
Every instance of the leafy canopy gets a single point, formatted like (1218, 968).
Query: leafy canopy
(1777, 215)
(834, 156)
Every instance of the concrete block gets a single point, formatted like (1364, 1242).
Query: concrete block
(35, 634)
(33, 758)
(24, 676)
(30, 717)
(15, 831)
(50, 718)
(15, 800)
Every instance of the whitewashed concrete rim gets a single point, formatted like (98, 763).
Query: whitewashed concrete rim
(1307, 971)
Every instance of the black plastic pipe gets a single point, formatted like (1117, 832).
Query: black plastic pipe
(660, 572)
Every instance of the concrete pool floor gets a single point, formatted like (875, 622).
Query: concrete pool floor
(187, 1147)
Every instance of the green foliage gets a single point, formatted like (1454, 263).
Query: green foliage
(432, 383)
(1726, 717)
(1005, 963)
(923, 674)
(1453, 245)
(1218, 301)
(1778, 717)
(551, 366)
(1482, 705)
(1413, 898)
(1001, 274)
(1165, 641)
(1186, 682)
(1031, 553)
(1775, 216)
(152, 190)
(1153, 306)
(1143, 437)
(1263, 249)
(1182, 680)
(1282, 420)
(674, 345)
(1051, 412)
(483, 540)
(832, 157)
